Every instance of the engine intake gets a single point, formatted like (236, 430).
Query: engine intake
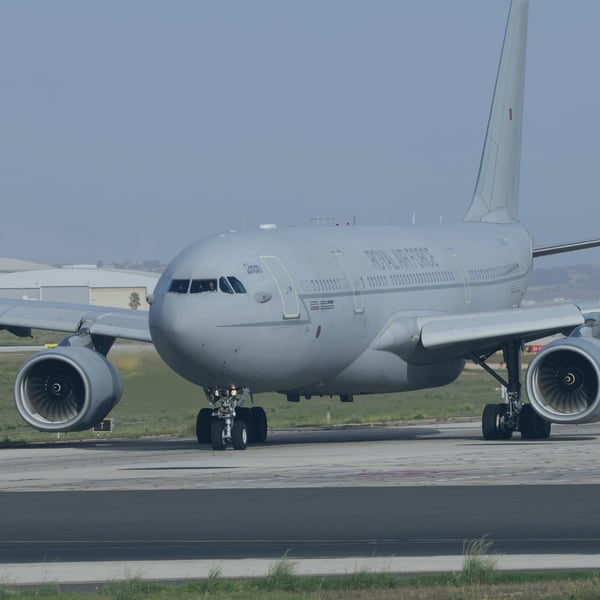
(563, 381)
(67, 388)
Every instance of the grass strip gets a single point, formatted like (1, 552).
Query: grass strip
(282, 584)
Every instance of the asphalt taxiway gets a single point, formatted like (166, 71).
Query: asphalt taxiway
(406, 455)
(409, 493)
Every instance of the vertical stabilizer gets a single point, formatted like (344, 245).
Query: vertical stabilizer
(496, 197)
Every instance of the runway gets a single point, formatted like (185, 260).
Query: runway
(407, 491)
(298, 523)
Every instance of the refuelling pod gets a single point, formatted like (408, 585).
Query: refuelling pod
(68, 388)
(563, 381)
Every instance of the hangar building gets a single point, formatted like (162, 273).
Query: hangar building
(81, 285)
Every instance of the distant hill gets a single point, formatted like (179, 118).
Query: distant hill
(579, 282)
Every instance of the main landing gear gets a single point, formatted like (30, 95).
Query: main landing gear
(499, 421)
(230, 422)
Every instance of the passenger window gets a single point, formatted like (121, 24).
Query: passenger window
(224, 286)
(179, 286)
(203, 285)
(237, 285)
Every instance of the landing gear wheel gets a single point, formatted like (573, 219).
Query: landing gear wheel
(492, 423)
(203, 425)
(243, 414)
(259, 423)
(504, 432)
(532, 426)
(239, 435)
(217, 435)
(544, 428)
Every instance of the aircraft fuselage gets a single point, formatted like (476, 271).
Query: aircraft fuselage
(315, 301)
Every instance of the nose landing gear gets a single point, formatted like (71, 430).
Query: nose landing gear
(230, 422)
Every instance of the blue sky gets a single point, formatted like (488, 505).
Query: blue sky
(130, 128)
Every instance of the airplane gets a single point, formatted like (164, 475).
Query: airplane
(340, 311)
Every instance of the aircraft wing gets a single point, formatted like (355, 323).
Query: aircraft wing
(20, 316)
(560, 248)
(473, 332)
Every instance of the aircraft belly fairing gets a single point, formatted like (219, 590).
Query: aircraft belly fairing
(377, 372)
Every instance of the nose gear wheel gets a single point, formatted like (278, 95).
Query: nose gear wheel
(228, 422)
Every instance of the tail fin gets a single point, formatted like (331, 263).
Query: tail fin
(496, 197)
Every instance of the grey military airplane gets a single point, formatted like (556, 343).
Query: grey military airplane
(344, 311)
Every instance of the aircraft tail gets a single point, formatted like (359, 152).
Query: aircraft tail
(496, 197)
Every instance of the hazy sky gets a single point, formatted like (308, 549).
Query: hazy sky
(131, 128)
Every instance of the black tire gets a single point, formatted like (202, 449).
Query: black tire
(217, 435)
(504, 433)
(527, 422)
(544, 428)
(489, 422)
(492, 423)
(203, 423)
(239, 435)
(532, 426)
(260, 426)
(243, 414)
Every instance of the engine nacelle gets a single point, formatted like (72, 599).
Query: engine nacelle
(68, 388)
(563, 381)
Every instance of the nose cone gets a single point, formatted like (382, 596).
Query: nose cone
(177, 338)
(196, 313)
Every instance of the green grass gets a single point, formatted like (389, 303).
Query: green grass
(282, 584)
(156, 401)
(479, 565)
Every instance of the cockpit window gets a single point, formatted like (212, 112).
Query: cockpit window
(237, 285)
(179, 286)
(203, 285)
(224, 286)
(228, 285)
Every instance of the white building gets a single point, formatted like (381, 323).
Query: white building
(82, 285)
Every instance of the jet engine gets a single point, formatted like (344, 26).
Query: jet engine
(68, 388)
(563, 380)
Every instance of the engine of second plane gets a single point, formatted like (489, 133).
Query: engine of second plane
(563, 381)
(68, 388)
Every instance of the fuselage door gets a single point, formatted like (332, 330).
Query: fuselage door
(355, 285)
(463, 275)
(285, 285)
